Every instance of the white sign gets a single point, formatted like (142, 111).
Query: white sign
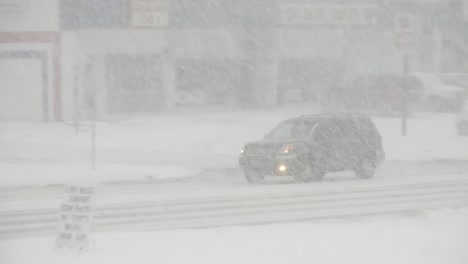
(407, 30)
(149, 13)
(310, 14)
(75, 217)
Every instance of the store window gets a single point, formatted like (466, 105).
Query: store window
(134, 83)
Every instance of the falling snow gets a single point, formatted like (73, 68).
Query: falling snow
(233, 131)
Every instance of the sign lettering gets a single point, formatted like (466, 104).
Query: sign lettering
(149, 13)
(75, 218)
(310, 14)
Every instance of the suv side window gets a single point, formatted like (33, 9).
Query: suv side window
(321, 133)
(328, 131)
(336, 130)
(348, 129)
(366, 127)
(339, 129)
(343, 129)
(368, 133)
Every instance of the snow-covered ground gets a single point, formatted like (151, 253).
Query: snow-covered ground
(427, 237)
(183, 144)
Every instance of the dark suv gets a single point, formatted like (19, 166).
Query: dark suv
(307, 147)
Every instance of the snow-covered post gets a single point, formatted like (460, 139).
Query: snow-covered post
(93, 136)
(407, 30)
(404, 103)
(75, 98)
(90, 86)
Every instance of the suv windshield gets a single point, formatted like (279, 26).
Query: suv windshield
(290, 129)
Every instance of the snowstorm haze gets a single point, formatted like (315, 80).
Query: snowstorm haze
(233, 131)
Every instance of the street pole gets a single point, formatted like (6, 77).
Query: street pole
(91, 88)
(93, 135)
(75, 99)
(404, 103)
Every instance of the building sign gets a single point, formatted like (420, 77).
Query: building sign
(75, 217)
(407, 30)
(13, 8)
(28, 15)
(149, 13)
(305, 14)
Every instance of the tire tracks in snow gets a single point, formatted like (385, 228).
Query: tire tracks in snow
(261, 204)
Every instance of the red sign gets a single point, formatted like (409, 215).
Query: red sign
(149, 13)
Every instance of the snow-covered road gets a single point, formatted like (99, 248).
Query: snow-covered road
(180, 145)
(171, 173)
(219, 199)
(178, 171)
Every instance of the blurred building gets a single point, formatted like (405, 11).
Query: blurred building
(143, 56)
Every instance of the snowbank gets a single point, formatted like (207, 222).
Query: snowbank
(432, 238)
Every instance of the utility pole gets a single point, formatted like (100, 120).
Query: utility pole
(90, 83)
(75, 99)
(405, 96)
(407, 30)
(93, 135)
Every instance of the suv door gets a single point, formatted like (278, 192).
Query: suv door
(370, 140)
(346, 143)
(327, 149)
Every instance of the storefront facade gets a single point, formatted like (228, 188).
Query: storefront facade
(148, 56)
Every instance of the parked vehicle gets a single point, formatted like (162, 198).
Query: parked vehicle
(437, 95)
(388, 94)
(455, 79)
(308, 147)
(462, 120)
(376, 93)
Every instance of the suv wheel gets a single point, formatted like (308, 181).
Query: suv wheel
(253, 176)
(308, 174)
(365, 169)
